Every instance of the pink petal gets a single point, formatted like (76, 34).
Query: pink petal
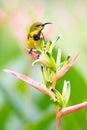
(39, 86)
(35, 55)
(69, 110)
(62, 71)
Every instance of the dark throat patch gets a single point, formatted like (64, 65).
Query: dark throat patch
(36, 37)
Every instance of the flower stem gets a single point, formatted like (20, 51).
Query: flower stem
(58, 119)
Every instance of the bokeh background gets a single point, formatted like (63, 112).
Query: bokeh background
(23, 107)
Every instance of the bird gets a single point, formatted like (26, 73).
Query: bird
(35, 34)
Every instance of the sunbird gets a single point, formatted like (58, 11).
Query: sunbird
(35, 34)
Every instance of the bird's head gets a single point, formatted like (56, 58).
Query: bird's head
(38, 26)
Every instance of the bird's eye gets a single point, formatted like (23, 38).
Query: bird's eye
(38, 25)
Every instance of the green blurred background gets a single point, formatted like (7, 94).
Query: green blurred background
(21, 106)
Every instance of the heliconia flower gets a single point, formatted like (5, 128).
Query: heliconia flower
(32, 53)
(59, 100)
(47, 59)
(64, 69)
(39, 86)
(57, 69)
(74, 108)
(42, 88)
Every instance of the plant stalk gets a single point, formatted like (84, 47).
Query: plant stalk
(58, 119)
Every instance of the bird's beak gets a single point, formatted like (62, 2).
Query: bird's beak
(46, 24)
